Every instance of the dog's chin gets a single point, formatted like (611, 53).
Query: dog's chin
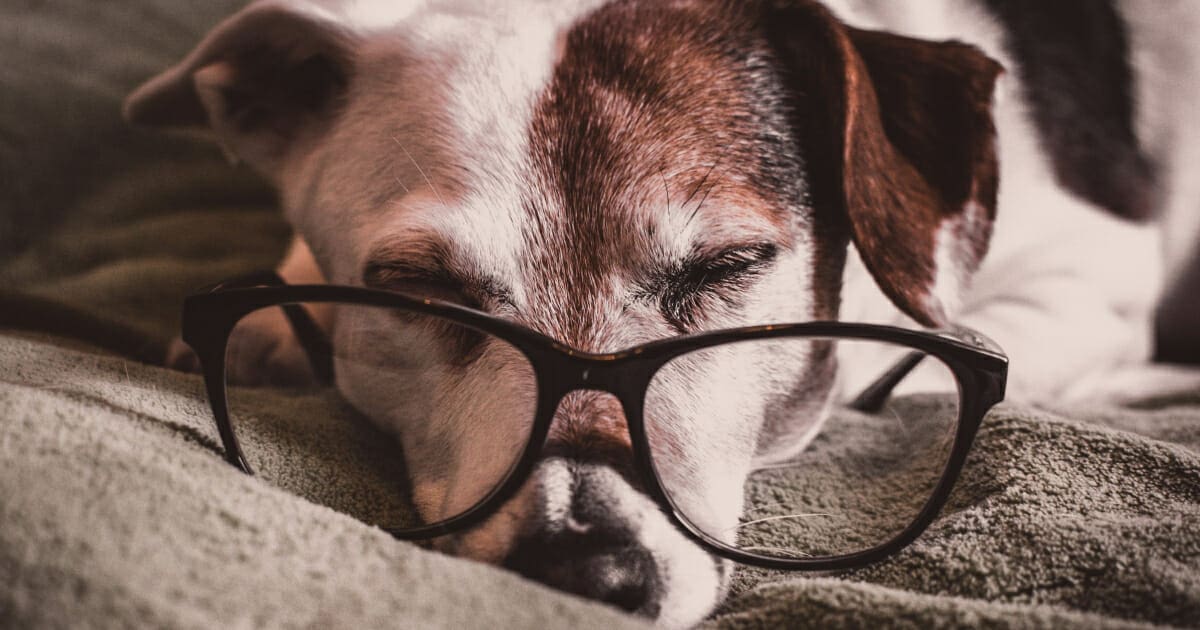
(633, 558)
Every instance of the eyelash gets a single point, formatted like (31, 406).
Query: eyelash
(698, 279)
(432, 283)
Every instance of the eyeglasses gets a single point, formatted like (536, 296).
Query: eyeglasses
(869, 480)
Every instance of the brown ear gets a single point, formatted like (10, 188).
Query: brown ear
(902, 146)
(259, 81)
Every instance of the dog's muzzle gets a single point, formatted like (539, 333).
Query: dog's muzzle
(582, 537)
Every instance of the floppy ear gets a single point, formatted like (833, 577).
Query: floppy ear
(264, 81)
(902, 148)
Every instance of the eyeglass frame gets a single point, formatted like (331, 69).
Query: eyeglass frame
(979, 367)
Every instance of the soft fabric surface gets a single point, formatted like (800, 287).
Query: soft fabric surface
(119, 512)
(116, 508)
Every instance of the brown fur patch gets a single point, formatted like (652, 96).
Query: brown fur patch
(654, 102)
(591, 427)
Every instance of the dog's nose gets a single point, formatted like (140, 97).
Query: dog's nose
(593, 564)
(583, 540)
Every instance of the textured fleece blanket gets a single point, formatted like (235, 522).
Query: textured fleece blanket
(116, 509)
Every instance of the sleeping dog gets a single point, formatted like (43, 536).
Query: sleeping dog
(610, 172)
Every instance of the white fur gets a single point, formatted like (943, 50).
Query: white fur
(950, 278)
(1066, 289)
(1165, 54)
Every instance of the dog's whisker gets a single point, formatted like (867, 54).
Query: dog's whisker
(779, 466)
(782, 517)
(709, 189)
(401, 182)
(420, 170)
(666, 187)
(707, 192)
(899, 420)
(779, 550)
(699, 185)
(765, 507)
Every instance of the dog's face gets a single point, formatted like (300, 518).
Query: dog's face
(607, 173)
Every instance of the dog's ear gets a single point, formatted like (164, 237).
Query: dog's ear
(263, 82)
(901, 147)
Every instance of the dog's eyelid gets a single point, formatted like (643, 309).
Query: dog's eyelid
(436, 280)
(732, 259)
(757, 252)
(700, 275)
(384, 275)
(703, 264)
(415, 256)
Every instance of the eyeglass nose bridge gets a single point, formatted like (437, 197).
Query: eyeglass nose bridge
(572, 371)
(617, 375)
(614, 441)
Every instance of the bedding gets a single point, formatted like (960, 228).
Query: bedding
(117, 509)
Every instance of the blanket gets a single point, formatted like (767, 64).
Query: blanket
(117, 509)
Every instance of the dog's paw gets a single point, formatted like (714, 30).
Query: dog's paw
(262, 350)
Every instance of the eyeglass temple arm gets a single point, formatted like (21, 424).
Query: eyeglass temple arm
(872, 398)
(316, 344)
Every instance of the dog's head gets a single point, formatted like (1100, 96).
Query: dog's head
(607, 173)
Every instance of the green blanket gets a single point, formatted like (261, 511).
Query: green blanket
(116, 508)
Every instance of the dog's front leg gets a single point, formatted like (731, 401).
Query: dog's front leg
(262, 348)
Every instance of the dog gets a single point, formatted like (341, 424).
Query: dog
(550, 161)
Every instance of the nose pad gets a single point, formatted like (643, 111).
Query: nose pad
(582, 538)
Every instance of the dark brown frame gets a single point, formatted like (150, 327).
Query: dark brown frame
(979, 366)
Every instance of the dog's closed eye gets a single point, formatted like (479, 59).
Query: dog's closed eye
(461, 344)
(424, 270)
(420, 281)
(684, 290)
